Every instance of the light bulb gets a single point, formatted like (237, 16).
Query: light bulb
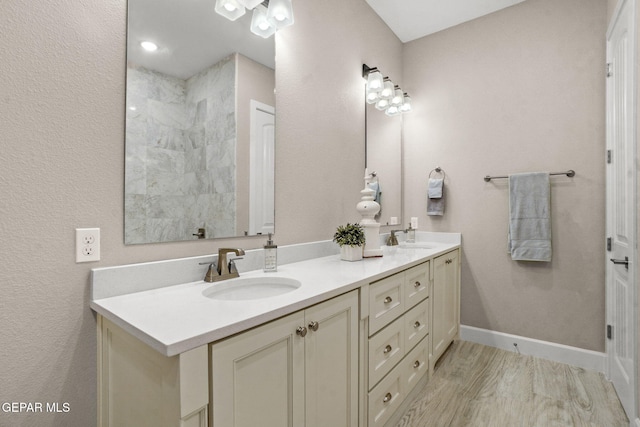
(387, 90)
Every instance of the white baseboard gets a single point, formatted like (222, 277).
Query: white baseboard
(587, 359)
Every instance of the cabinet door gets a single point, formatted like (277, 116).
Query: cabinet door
(258, 376)
(445, 302)
(331, 363)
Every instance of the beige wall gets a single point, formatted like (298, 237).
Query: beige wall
(62, 167)
(519, 90)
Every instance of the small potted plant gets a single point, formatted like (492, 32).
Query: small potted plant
(350, 237)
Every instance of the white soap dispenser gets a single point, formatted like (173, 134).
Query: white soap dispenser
(270, 256)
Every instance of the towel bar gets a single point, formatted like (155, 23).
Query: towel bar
(570, 173)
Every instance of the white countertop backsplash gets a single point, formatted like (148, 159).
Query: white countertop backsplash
(161, 303)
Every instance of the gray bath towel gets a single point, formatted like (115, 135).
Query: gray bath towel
(435, 197)
(530, 217)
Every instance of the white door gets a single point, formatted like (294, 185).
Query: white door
(262, 169)
(621, 206)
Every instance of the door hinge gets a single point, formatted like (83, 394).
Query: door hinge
(608, 244)
(609, 69)
(609, 331)
(609, 156)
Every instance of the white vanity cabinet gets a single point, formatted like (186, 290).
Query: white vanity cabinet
(299, 370)
(398, 340)
(138, 386)
(446, 302)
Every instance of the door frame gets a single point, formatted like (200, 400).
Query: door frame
(632, 412)
(254, 209)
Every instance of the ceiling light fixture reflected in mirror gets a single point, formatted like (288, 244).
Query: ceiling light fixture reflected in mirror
(230, 9)
(268, 15)
(383, 93)
(261, 25)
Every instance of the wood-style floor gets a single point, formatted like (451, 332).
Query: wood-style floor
(476, 385)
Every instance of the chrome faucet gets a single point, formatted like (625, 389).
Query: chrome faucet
(224, 269)
(392, 240)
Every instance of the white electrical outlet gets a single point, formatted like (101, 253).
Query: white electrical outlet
(87, 244)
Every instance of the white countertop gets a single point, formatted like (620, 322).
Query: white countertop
(174, 319)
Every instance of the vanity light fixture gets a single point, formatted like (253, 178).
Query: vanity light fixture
(374, 83)
(149, 46)
(406, 104)
(281, 12)
(383, 93)
(396, 100)
(268, 15)
(250, 4)
(230, 9)
(261, 25)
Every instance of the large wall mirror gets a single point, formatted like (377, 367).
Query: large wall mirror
(200, 120)
(384, 157)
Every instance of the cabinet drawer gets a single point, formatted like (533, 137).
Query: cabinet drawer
(415, 365)
(416, 287)
(386, 349)
(386, 301)
(416, 324)
(385, 398)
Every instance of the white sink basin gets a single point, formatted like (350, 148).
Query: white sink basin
(417, 245)
(251, 288)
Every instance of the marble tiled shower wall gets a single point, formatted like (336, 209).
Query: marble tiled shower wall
(180, 154)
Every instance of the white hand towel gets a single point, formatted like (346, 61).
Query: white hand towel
(530, 217)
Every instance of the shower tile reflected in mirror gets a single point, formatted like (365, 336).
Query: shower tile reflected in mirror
(181, 140)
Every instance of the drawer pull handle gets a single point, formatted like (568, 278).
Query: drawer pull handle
(416, 325)
(416, 364)
(314, 326)
(387, 398)
(387, 300)
(417, 284)
(387, 349)
(302, 331)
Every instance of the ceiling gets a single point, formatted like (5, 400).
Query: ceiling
(191, 36)
(412, 19)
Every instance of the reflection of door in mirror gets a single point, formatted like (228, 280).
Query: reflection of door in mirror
(188, 120)
(261, 171)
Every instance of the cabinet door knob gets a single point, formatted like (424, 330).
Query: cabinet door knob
(314, 326)
(302, 331)
(387, 398)
(416, 325)
(416, 364)
(387, 349)
(417, 284)
(387, 300)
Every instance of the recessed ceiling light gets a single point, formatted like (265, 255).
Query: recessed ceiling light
(149, 46)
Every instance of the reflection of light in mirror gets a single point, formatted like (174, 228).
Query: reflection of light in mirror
(392, 111)
(261, 25)
(396, 101)
(382, 104)
(388, 89)
(132, 108)
(282, 12)
(149, 46)
(406, 104)
(230, 9)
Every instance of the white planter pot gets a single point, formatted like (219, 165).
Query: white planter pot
(351, 253)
